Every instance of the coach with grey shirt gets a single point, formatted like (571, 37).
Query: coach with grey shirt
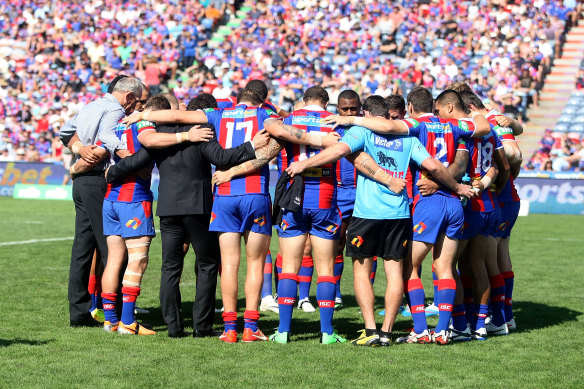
(96, 121)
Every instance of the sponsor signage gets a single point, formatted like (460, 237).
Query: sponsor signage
(42, 192)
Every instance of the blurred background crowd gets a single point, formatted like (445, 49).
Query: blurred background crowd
(57, 56)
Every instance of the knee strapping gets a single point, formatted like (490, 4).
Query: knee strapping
(137, 245)
(130, 283)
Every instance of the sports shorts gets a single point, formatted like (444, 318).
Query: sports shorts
(434, 215)
(509, 213)
(483, 223)
(386, 239)
(128, 220)
(250, 212)
(346, 201)
(322, 223)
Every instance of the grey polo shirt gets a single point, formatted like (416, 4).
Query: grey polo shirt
(96, 121)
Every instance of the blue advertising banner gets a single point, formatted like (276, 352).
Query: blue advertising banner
(29, 173)
(548, 195)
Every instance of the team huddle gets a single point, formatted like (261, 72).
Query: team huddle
(384, 180)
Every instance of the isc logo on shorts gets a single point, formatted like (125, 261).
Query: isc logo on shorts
(333, 228)
(357, 241)
(261, 221)
(133, 223)
(420, 227)
(284, 225)
(213, 217)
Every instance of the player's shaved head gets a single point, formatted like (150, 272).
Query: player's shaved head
(249, 96)
(376, 106)
(202, 101)
(315, 94)
(469, 98)
(421, 100)
(157, 103)
(450, 96)
(171, 99)
(259, 87)
(349, 103)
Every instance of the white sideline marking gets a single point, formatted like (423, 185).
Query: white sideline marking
(34, 241)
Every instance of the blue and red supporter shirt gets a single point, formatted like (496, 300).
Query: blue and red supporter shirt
(440, 138)
(235, 126)
(346, 172)
(320, 183)
(509, 193)
(481, 152)
(133, 188)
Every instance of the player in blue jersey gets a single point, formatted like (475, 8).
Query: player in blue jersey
(128, 222)
(380, 225)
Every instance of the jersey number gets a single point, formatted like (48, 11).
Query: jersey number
(484, 158)
(231, 127)
(440, 146)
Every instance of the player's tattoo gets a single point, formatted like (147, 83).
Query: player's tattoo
(288, 128)
(263, 156)
(366, 168)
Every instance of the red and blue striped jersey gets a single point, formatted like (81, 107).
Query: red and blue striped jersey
(440, 138)
(228, 102)
(235, 126)
(346, 172)
(509, 193)
(320, 183)
(133, 188)
(282, 162)
(481, 152)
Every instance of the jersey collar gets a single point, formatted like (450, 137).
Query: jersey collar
(313, 108)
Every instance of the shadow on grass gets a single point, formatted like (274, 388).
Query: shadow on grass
(530, 315)
(10, 342)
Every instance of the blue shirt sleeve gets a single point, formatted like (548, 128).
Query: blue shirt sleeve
(355, 138)
(419, 152)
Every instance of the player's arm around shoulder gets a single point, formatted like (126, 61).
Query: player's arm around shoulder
(277, 128)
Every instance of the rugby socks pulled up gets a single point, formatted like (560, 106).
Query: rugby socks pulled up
(130, 294)
(459, 317)
(468, 304)
(480, 312)
(416, 297)
(305, 277)
(338, 273)
(92, 289)
(509, 278)
(251, 319)
(287, 286)
(445, 296)
(109, 307)
(230, 321)
(497, 299)
(435, 281)
(373, 271)
(325, 296)
(278, 270)
(267, 284)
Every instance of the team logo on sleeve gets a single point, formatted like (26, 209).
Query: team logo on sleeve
(260, 221)
(463, 126)
(420, 227)
(133, 223)
(333, 228)
(213, 217)
(357, 241)
(412, 122)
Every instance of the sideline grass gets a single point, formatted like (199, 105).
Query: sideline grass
(38, 349)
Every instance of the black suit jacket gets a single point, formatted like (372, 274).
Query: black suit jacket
(185, 171)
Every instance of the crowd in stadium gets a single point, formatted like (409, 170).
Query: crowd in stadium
(55, 57)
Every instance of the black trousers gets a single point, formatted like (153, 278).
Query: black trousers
(174, 232)
(88, 195)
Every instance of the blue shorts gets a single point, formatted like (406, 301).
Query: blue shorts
(434, 215)
(128, 220)
(483, 223)
(322, 223)
(509, 213)
(346, 201)
(251, 212)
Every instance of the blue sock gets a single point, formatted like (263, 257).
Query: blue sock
(497, 300)
(305, 277)
(278, 271)
(416, 297)
(251, 319)
(509, 277)
(131, 293)
(338, 273)
(109, 307)
(267, 284)
(482, 310)
(325, 295)
(287, 287)
(445, 295)
(230, 321)
(373, 271)
(459, 317)
(435, 281)
(92, 289)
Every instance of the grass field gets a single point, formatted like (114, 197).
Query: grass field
(38, 349)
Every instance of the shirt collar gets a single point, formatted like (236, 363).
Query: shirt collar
(112, 98)
(313, 108)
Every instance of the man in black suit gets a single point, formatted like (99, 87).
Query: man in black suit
(184, 207)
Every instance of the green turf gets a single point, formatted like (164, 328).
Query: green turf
(38, 349)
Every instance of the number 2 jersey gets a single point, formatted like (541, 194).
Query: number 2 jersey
(235, 126)
(319, 182)
(133, 188)
(440, 137)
